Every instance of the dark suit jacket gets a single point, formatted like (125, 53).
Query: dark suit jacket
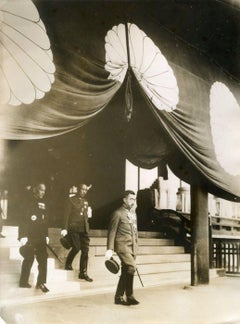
(122, 233)
(34, 221)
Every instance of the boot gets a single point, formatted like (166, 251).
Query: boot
(68, 266)
(70, 257)
(83, 268)
(132, 301)
(129, 290)
(121, 287)
(120, 301)
(85, 277)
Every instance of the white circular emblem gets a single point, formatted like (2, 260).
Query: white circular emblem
(33, 217)
(225, 119)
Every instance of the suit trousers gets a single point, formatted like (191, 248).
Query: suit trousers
(80, 241)
(128, 268)
(40, 251)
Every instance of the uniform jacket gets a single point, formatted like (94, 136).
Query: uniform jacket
(122, 232)
(34, 221)
(75, 216)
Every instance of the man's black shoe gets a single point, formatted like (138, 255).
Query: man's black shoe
(120, 301)
(42, 287)
(26, 285)
(132, 301)
(68, 267)
(85, 277)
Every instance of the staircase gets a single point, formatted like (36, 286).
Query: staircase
(159, 262)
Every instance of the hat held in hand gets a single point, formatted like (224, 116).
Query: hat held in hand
(112, 265)
(26, 250)
(65, 241)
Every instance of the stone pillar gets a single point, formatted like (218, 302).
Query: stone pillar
(199, 236)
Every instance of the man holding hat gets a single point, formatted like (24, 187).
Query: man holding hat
(33, 236)
(76, 226)
(122, 238)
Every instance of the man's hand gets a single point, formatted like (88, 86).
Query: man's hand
(89, 212)
(64, 232)
(23, 240)
(47, 239)
(108, 254)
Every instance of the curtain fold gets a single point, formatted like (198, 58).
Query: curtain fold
(78, 94)
(181, 138)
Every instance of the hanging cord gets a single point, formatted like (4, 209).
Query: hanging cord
(128, 97)
(128, 89)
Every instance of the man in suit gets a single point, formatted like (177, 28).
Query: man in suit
(33, 235)
(76, 226)
(122, 238)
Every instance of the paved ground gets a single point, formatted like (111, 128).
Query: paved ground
(216, 303)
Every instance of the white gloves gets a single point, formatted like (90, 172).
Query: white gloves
(89, 212)
(64, 232)
(23, 240)
(108, 254)
(47, 239)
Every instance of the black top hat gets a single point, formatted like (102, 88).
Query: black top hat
(112, 265)
(66, 242)
(26, 250)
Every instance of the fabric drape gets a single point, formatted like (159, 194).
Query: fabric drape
(181, 138)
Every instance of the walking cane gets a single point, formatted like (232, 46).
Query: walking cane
(54, 253)
(139, 277)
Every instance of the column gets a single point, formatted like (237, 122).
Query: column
(199, 236)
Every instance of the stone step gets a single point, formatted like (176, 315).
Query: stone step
(11, 291)
(99, 250)
(146, 259)
(145, 254)
(157, 279)
(102, 241)
(141, 259)
(159, 262)
(11, 295)
(142, 250)
(163, 267)
(162, 258)
(9, 241)
(102, 278)
(12, 231)
(97, 237)
(96, 267)
(155, 241)
(145, 263)
(12, 253)
(56, 232)
(12, 265)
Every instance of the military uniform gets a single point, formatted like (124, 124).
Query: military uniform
(76, 222)
(123, 238)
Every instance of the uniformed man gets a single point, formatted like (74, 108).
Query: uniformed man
(76, 226)
(122, 238)
(33, 236)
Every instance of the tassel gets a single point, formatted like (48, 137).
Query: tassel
(128, 98)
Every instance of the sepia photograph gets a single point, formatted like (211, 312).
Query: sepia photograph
(119, 161)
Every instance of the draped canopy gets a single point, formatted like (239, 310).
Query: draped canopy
(171, 118)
